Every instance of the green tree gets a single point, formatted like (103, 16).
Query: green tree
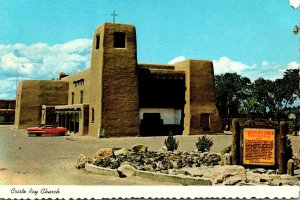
(277, 95)
(236, 96)
(290, 83)
(252, 108)
(231, 91)
(263, 92)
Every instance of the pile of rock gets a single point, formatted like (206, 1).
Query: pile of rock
(160, 161)
(182, 163)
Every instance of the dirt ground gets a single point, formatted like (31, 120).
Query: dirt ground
(50, 160)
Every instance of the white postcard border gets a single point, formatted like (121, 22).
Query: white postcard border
(89, 192)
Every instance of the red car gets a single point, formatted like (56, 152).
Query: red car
(47, 129)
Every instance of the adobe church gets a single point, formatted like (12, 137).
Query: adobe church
(117, 96)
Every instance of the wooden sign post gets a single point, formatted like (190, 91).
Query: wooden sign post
(261, 143)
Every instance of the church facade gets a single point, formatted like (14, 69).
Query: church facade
(117, 96)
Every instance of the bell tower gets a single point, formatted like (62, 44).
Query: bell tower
(114, 85)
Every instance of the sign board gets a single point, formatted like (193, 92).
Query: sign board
(259, 146)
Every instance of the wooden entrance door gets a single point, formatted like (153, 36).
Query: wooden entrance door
(205, 121)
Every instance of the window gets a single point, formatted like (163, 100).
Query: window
(97, 41)
(93, 115)
(119, 40)
(73, 97)
(81, 96)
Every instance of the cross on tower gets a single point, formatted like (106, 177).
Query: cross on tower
(114, 15)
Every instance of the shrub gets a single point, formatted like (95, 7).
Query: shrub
(204, 143)
(171, 143)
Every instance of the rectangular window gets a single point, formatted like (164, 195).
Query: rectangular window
(119, 40)
(97, 41)
(72, 98)
(93, 115)
(81, 96)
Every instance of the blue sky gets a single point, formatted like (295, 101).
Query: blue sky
(40, 38)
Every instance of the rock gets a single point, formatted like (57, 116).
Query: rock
(159, 166)
(159, 158)
(106, 162)
(187, 173)
(229, 175)
(179, 164)
(148, 161)
(147, 168)
(82, 160)
(227, 159)
(140, 148)
(225, 150)
(126, 170)
(122, 151)
(116, 164)
(138, 158)
(98, 161)
(265, 179)
(270, 171)
(259, 170)
(166, 164)
(104, 153)
(162, 149)
(154, 165)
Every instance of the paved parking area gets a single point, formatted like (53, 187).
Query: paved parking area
(51, 159)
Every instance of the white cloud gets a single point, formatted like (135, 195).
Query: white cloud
(226, 65)
(295, 3)
(79, 45)
(7, 86)
(40, 61)
(264, 63)
(293, 65)
(9, 61)
(177, 59)
(265, 70)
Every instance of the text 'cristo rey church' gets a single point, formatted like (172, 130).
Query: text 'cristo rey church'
(120, 97)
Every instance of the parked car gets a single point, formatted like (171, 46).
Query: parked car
(47, 129)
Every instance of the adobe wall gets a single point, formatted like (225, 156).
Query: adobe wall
(199, 96)
(76, 86)
(32, 94)
(96, 83)
(114, 83)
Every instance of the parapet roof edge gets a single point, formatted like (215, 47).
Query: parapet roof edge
(156, 64)
(103, 24)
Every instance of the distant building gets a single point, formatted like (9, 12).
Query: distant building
(7, 111)
(122, 97)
